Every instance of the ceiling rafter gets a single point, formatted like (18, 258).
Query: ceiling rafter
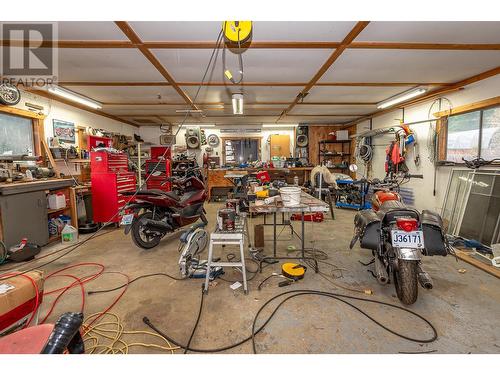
(261, 45)
(431, 94)
(134, 38)
(356, 30)
(251, 84)
(203, 104)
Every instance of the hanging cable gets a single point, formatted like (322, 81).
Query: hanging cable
(227, 72)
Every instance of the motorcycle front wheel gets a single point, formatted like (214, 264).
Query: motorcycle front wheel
(140, 235)
(406, 281)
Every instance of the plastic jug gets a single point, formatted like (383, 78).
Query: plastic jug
(69, 234)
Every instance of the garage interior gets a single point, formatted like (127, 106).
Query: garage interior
(345, 174)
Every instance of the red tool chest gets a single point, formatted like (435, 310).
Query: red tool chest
(110, 177)
(158, 168)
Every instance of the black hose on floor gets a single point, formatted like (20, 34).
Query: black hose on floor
(297, 293)
(133, 280)
(197, 319)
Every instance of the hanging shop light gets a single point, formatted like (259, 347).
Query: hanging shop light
(237, 100)
(73, 96)
(401, 97)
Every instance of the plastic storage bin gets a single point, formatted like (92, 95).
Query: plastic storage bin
(57, 201)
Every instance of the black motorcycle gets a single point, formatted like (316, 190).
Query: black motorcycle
(398, 236)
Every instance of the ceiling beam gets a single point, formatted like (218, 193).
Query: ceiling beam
(433, 93)
(426, 46)
(259, 45)
(48, 95)
(134, 38)
(251, 84)
(197, 116)
(229, 104)
(358, 28)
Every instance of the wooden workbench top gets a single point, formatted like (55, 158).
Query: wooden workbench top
(308, 203)
(262, 169)
(27, 186)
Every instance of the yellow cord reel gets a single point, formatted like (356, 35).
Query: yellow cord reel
(293, 270)
(237, 31)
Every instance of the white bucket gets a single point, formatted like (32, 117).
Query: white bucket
(290, 195)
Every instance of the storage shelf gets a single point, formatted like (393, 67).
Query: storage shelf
(52, 211)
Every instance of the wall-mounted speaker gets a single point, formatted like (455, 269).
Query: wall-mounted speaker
(302, 136)
(167, 139)
(193, 138)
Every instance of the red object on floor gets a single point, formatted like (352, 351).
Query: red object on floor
(316, 217)
(26, 341)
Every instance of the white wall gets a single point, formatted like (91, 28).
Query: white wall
(55, 110)
(152, 134)
(423, 189)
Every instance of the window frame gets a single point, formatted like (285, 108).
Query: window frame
(37, 123)
(442, 128)
(223, 144)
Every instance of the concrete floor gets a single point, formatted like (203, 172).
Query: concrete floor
(464, 308)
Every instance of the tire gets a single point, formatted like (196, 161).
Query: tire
(406, 282)
(136, 232)
(12, 99)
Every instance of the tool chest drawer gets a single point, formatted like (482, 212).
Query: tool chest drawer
(110, 179)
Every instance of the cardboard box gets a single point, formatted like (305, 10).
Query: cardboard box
(18, 298)
(342, 135)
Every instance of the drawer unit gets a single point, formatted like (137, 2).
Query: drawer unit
(110, 178)
(156, 173)
(102, 161)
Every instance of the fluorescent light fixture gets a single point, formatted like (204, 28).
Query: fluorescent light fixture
(401, 97)
(207, 125)
(237, 100)
(279, 125)
(73, 96)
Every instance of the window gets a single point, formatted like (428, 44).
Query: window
(490, 137)
(471, 135)
(241, 150)
(16, 135)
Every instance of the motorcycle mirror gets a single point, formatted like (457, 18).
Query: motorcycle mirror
(353, 168)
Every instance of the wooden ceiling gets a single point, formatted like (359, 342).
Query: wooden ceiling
(295, 72)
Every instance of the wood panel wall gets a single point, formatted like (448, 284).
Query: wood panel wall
(319, 133)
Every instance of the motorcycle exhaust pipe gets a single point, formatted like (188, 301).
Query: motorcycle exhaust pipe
(157, 225)
(380, 271)
(425, 280)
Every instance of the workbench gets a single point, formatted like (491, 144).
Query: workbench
(216, 177)
(308, 204)
(24, 212)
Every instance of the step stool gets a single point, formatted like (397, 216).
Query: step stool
(226, 238)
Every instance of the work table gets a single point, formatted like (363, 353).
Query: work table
(216, 177)
(28, 186)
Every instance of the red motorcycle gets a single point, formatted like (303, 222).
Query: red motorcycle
(155, 213)
(398, 237)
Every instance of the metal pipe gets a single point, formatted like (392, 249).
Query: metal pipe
(380, 271)
(424, 279)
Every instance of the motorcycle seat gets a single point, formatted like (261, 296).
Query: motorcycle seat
(159, 192)
(390, 210)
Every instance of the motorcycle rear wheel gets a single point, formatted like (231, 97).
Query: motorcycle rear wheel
(406, 281)
(137, 230)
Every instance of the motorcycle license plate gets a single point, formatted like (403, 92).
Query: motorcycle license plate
(412, 240)
(127, 219)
